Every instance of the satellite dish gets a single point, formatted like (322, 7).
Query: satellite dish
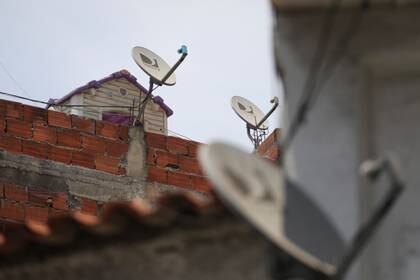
(248, 112)
(258, 191)
(253, 188)
(153, 65)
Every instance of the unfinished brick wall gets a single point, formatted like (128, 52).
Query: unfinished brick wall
(22, 203)
(173, 161)
(69, 139)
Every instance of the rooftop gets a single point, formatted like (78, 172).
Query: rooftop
(116, 75)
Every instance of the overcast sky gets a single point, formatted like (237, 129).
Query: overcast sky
(51, 47)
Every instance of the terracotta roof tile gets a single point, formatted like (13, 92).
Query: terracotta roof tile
(118, 219)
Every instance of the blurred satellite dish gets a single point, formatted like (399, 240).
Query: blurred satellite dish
(153, 65)
(253, 187)
(248, 112)
(307, 243)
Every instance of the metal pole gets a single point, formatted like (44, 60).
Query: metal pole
(172, 70)
(142, 104)
(275, 100)
(367, 230)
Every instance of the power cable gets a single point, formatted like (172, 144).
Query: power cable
(13, 79)
(178, 134)
(312, 89)
(317, 60)
(24, 98)
(64, 105)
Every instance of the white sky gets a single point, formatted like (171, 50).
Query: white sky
(52, 47)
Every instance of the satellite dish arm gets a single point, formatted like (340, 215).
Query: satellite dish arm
(372, 169)
(275, 100)
(184, 52)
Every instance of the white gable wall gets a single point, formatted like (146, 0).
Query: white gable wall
(109, 95)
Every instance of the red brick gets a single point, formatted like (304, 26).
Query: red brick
(151, 156)
(3, 109)
(54, 213)
(48, 198)
(157, 141)
(272, 153)
(189, 165)
(156, 174)
(110, 130)
(45, 134)
(69, 138)
(270, 141)
(89, 206)
(179, 179)
(83, 124)
(34, 114)
(107, 164)
(123, 133)
(93, 144)
(15, 192)
(34, 149)
(165, 159)
(59, 154)
(116, 149)
(40, 197)
(36, 213)
(1, 190)
(19, 128)
(60, 201)
(193, 148)
(2, 125)
(59, 119)
(12, 210)
(122, 171)
(11, 144)
(83, 159)
(200, 184)
(177, 145)
(14, 110)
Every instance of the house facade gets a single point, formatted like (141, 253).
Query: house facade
(96, 99)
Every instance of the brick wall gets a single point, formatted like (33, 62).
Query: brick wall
(64, 138)
(21, 203)
(93, 144)
(269, 148)
(173, 161)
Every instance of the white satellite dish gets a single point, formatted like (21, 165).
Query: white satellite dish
(260, 193)
(248, 112)
(253, 188)
(153, 65)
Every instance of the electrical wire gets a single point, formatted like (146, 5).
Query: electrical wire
(339, 52)
(313, 86)
(64, 105)
(317, 61)
(13, 79)
(24, 98)
(78, 108)
(92, 106)
(178, 134)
